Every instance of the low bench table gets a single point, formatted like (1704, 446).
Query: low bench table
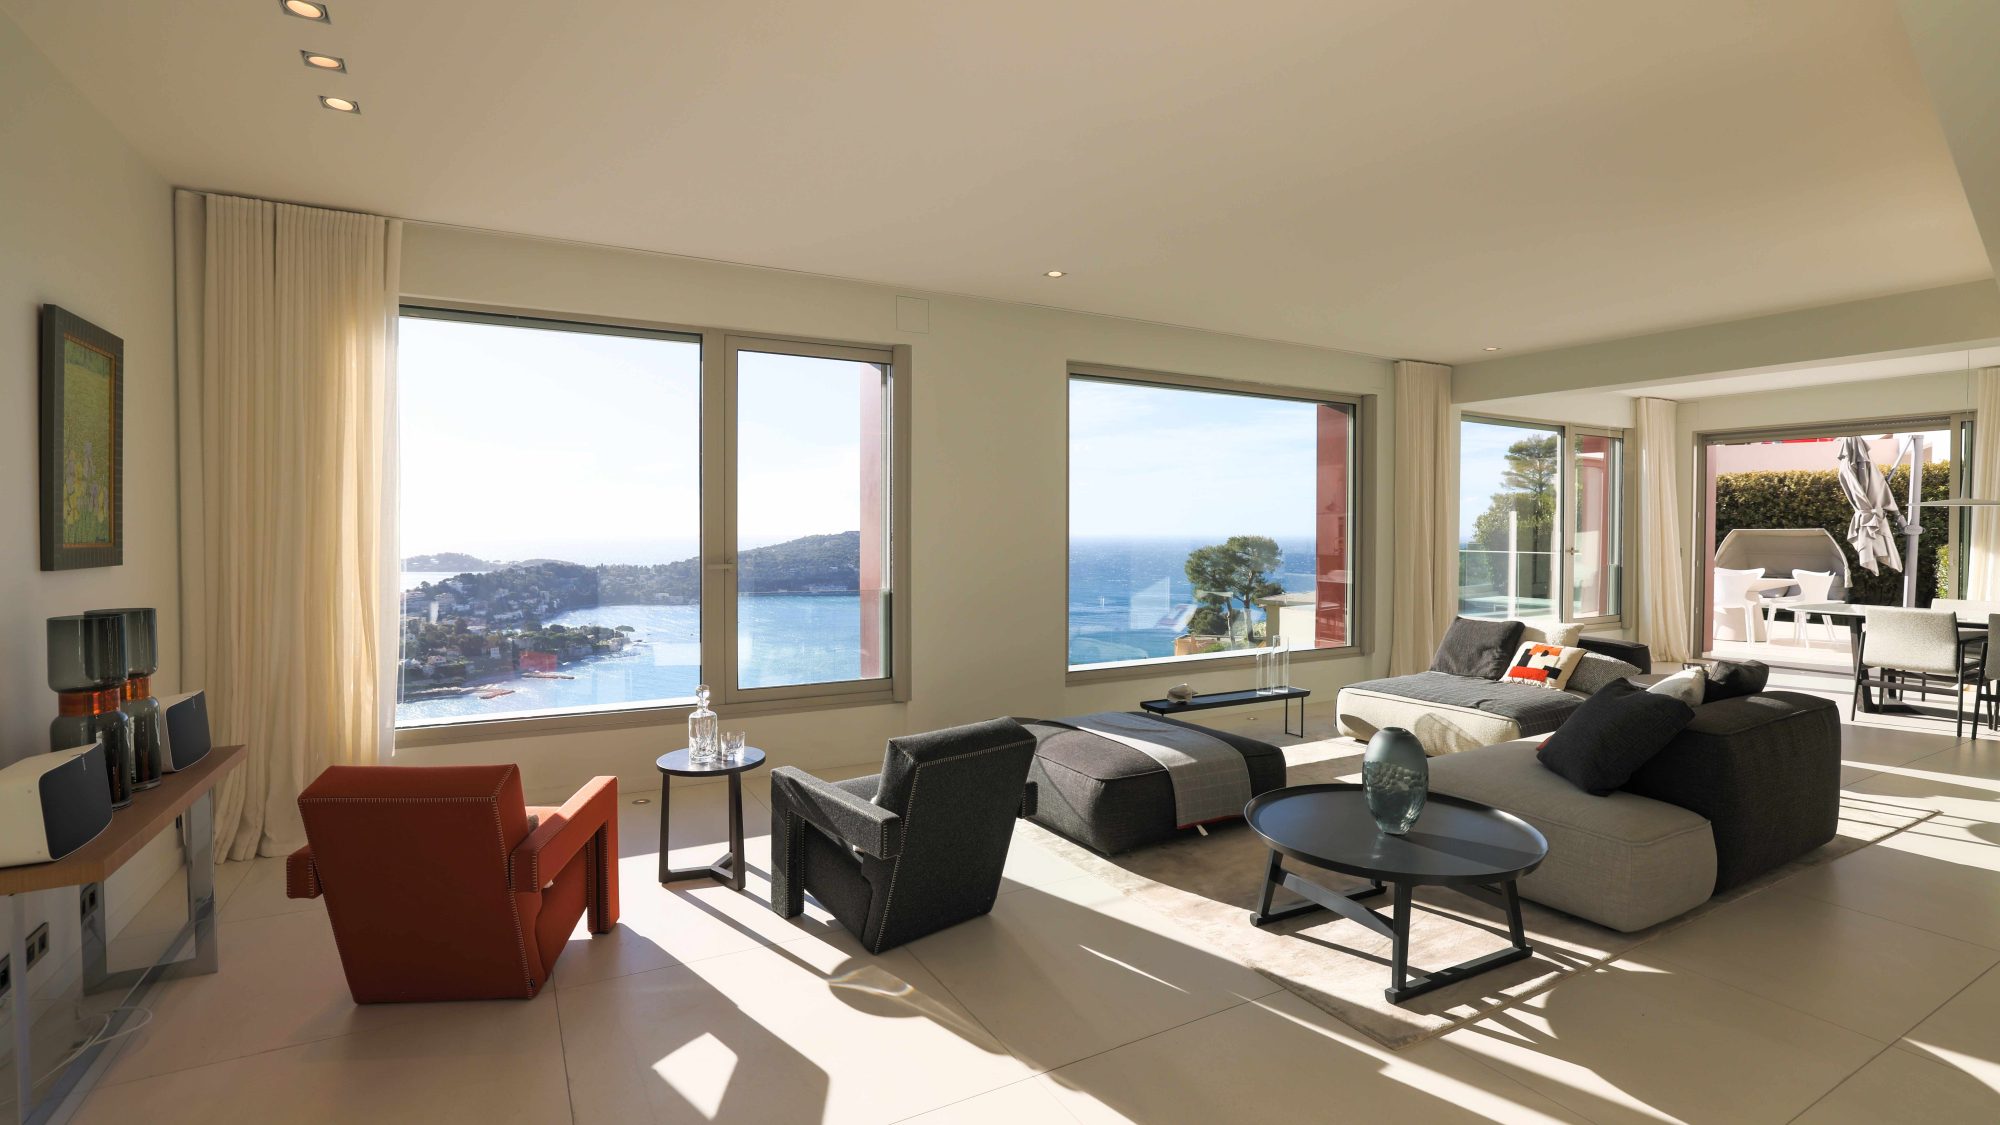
(1235, 699)
(1469, 847)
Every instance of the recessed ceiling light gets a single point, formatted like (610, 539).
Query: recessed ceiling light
(306, 10)
(324, 62)
(344, 105)
(1053, 273)
(1492, 349)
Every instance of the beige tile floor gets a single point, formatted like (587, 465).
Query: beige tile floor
(1866, 990)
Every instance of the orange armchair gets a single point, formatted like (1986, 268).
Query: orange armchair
(439, 885)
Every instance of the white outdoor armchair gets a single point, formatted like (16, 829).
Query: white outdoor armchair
(1814, 586)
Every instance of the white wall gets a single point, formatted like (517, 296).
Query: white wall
(989, 446)
(85, 224)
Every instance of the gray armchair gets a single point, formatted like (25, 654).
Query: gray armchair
(893, 860)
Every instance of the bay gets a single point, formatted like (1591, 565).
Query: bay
(781, 639)
(1128, 600)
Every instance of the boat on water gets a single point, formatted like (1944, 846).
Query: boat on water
(547, 676)
(438, 693)
(495, 693)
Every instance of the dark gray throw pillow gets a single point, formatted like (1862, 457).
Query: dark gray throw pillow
(1479, 649)
(1728, 679)
(1605, 741)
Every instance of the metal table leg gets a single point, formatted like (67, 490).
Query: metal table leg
(1396, 927)
(23, 1012)
(728, 869)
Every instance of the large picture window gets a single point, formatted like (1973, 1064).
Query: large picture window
(811, 505)
(1541, 521)
(570, 543)
(1206, 521)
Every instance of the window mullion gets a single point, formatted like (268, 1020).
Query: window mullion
(718, 516)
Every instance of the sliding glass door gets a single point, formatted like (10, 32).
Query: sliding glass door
(1597, 517)
(1509, 508)
(1541, 521)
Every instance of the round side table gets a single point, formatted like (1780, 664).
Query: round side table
(673, 764)
(1471, 848)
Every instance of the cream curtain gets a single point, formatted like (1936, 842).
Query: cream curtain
(1424, 586)
(286, 323)
(1982, 546)
(1663, 571)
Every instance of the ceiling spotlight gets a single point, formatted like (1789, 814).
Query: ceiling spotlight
(1053, 273)
(343, 105)
(324, 62)
(305, 10)
(1492, 349)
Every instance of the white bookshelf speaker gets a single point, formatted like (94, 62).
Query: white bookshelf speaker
(184, 734)
(52, 804)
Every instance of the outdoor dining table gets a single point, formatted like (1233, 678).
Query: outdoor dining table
(1856, 616)
(1755, 618)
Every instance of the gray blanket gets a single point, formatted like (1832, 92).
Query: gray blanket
(1537, 709)
(1210, 779)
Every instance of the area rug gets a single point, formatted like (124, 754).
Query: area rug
(1210, 884)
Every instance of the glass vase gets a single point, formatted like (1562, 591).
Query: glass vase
(87, 668)
(1396, 779)
(141, 661)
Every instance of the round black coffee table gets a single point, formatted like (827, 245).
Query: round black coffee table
(673, 764)
(1464, 845)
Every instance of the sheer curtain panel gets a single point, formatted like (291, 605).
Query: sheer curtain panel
(1663, 574)
(1424, 590)
(286, 325)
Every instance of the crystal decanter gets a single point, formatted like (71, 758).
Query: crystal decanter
(704, 743)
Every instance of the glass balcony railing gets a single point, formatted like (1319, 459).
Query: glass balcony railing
(1506, 584)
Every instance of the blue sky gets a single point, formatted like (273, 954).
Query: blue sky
(521, 442)
(1150, 462)
(1482, 458)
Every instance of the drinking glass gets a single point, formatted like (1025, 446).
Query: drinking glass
(732, 745)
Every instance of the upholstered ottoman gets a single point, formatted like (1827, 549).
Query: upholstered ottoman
(1111, 798)
(1622, 861)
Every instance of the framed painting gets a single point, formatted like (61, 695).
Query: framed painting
(83, 443)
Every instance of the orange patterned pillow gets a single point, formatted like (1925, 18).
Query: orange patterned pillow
(1543, 665)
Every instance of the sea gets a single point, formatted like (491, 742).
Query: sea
(1128, 600)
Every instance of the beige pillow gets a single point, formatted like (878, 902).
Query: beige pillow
(1687, 685)
(1543, 665)
(1550, 631)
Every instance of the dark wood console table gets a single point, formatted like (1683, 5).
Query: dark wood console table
(183, 800)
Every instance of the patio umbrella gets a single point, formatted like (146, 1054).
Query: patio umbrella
(1870, 531)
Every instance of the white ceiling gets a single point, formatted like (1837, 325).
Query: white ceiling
(1393, 178)
(1793, 377)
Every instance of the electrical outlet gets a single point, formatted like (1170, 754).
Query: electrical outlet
(38, 944)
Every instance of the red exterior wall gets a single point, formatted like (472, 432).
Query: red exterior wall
(1335, 585)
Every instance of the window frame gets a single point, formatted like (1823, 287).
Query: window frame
(717, 525)
(720, 508)
(1360, 520)
(1562, 596)
(1960, 424)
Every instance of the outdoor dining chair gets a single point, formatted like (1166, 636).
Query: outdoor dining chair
(1901, 649)
(1814, 586)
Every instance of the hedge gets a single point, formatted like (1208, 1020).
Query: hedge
(1805, 498)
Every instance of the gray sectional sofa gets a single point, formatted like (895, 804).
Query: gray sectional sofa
(1750, 784)
(1450, 713)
